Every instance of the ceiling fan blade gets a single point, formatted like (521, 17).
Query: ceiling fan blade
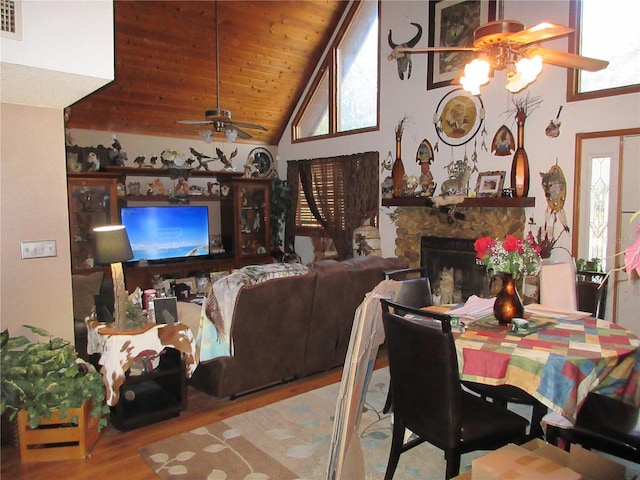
(194, 122)
(191, 128)
(437, 49)
(568, 60)
(241, 133)
(246, 125)
(538, 33)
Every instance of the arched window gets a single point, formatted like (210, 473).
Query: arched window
(344, 95)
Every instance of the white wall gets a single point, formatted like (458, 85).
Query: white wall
(412, 98)
(64, 36)
(66, 52)
(33, 206)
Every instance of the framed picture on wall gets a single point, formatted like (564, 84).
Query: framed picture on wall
(490, 183)
(451, 24)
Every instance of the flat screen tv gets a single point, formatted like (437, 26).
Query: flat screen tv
(164, 233)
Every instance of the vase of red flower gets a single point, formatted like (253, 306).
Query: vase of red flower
(508, 304)
(509, 257)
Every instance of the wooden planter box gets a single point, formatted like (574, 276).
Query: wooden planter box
(57, 438)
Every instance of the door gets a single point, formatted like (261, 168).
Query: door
(607, 193)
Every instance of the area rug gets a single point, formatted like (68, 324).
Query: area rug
(290, 440)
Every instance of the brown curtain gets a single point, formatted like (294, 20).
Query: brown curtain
(290, 219)
(355, 184)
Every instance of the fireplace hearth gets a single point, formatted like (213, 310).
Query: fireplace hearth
(453, 272)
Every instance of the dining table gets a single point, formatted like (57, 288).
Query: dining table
(556, 360)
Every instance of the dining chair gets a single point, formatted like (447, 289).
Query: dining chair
(558, 285)
(604, 424)
(416, 287)
(428, 398)
(592, 292)
(414, 292)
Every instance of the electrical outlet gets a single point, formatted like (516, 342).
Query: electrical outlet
(39, 249)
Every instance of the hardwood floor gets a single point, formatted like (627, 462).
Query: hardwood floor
(116, 453)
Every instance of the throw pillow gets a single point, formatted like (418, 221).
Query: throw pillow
(84, 288)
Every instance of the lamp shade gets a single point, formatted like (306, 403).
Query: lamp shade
(111, 244)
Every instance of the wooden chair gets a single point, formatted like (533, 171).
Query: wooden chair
(592, 292)
(428, 398)
(604, 424)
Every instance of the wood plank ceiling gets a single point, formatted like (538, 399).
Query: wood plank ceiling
(165, 65)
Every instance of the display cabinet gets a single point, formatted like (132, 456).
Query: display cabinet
(245, 220)
(93, 202)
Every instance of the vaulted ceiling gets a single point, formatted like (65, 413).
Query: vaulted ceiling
(165, 65)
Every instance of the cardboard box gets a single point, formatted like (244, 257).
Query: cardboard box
(537, 460)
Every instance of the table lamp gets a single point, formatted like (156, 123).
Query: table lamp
(111, 246)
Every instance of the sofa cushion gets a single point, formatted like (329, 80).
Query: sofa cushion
(85, 287)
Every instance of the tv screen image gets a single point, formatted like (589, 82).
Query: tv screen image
(161, 233)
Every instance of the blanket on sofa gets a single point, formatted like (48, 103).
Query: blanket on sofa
(214, 332)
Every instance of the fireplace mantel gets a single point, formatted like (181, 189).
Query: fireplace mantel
(416, 217)
(487, 202)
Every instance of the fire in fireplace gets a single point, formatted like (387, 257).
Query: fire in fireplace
(452, 269)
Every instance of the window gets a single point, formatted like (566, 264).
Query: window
(599, 191)
(609, 32)
(344, 95)
(328, 182)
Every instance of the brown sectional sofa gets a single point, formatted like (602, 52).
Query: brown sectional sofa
(290, 327)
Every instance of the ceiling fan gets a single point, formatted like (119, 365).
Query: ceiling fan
(220, 119)
(502, 44)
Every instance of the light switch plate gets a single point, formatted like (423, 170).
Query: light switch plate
(38, 249)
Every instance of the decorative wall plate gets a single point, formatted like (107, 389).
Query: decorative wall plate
(425, 152)
(458, 117)
(263, 162)
(503, 143)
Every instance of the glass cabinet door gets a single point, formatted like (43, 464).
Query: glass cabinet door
(253, 228)
(93, 203)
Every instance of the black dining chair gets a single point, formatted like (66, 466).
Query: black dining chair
(603, 424)
(416, 292)
(416, 287)
(591, 289)
(428, 398)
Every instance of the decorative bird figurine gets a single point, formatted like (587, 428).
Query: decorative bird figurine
(223, 158)
(200, 157)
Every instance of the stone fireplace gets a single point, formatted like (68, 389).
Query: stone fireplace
(443, 240)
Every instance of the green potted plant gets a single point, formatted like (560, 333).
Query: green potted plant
(43, 377)
(280, 204)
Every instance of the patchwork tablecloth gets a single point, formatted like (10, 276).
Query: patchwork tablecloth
(559, 365)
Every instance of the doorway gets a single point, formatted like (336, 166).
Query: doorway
(607, 175)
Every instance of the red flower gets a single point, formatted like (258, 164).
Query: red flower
(481, 245)
(532, 242)
(511, 244)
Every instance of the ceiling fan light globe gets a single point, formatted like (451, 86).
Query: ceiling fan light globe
(206, 136)
(231, 135)
(529, 68)
(478, 70)
(516, 83)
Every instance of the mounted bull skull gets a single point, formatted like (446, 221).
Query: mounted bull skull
(404, 59)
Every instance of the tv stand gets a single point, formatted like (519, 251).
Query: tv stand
(142, 276)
